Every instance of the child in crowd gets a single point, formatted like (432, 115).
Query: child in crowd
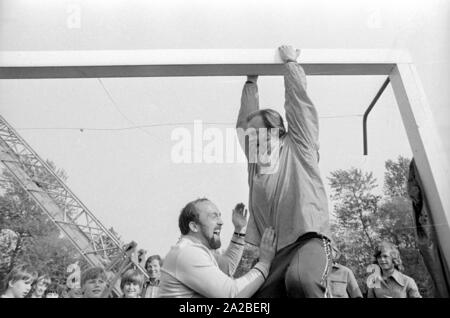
(93, 282)
(52, 291)
(131, 283)
(40, 286)
(18, 282)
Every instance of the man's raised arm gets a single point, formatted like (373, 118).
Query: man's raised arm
(229, 261)
(249, 101)
(249, 104)
(301, 115)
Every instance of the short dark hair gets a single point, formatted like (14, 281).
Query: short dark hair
(152, 258)
(189, 214)
(93, 273)
(271, 119)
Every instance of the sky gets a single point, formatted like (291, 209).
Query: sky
(126, 175)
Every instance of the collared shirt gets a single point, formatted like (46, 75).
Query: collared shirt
(152, 289)
(190, 269)
(343, 283)
(292, 199)
(397, 285)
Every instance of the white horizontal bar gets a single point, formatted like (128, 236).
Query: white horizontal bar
(193, 57)
(143, 63)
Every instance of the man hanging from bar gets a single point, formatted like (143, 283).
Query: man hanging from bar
(286, 189)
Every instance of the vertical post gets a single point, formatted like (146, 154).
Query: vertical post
(427, 148)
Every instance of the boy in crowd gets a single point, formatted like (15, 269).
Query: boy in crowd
(18, 282)
(131, 284)
(93, 282)
(342, 281)
(40, 286)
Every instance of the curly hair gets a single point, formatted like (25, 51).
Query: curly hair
(393, 252)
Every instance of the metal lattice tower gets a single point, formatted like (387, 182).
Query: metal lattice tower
(94, 242)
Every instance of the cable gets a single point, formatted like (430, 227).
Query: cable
(118, 108)
(123, 128)
(159, 125)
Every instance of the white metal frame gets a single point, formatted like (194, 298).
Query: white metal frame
(415, 111)
(160, 63)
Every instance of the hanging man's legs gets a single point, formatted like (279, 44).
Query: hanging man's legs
(306, 276)
(299, 270)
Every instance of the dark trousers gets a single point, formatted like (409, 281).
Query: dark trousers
(299, 270)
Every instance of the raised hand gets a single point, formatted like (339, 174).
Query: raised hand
(288, 53)
(239, 217)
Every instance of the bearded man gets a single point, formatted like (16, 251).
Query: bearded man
(195, 268)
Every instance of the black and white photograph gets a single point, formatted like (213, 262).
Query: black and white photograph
(243, 150)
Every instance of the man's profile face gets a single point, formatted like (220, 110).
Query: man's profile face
(335, 255)
(210, 224)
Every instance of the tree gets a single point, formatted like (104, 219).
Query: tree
(39, 241)
(362, 219)
(395, 222)
(354, 203)
(395, 177)
(399, 226)
(354, 206)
